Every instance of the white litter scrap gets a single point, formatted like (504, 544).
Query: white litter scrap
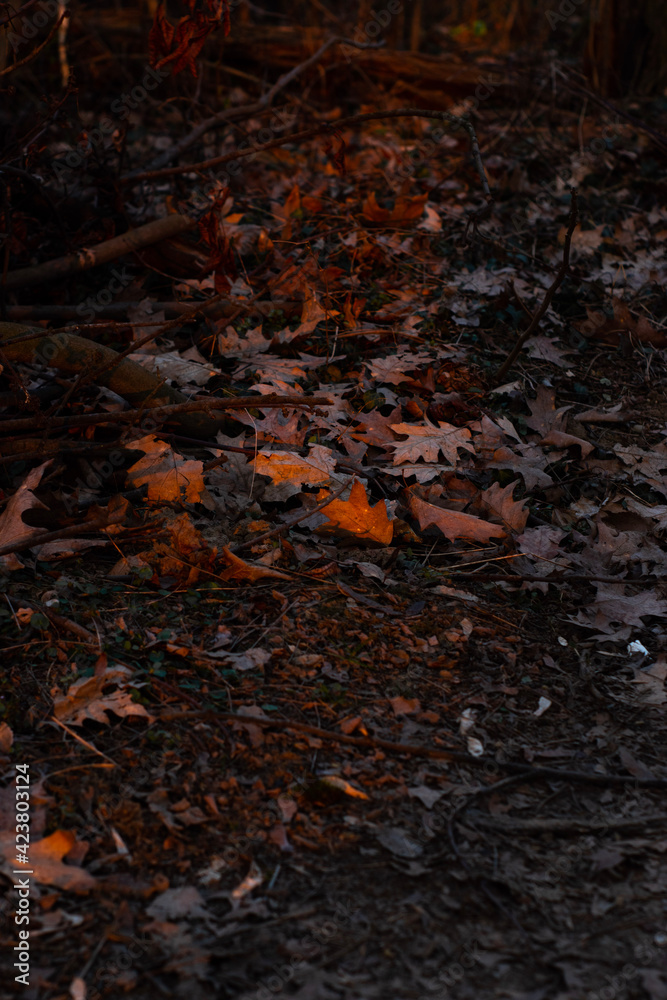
(467, 721)
(250, 882)
(542, 706)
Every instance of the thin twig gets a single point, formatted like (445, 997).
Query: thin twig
(41, 538)
(58, 620)
(370, 742)
(35, 52)
(458, 854)
(85, 743)
(659, 137)
(559, 824)
(290, 524)
(546, 302)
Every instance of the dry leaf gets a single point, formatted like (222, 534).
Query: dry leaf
(405, 706)
(312, 314)
(289, 471)
(334, 781)
(653, 680)
(394, 369)
(544, 416)
(355, 518)
(612, 329)
(427, 441)
(167, 474)
(238, 569)
(561, 440)
(499, 502)
(405, 209)
(6, 737)
(85, 699)
(13, 528)
(46, 862)
(452, 523)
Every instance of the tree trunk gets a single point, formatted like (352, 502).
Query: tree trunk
(627, 42)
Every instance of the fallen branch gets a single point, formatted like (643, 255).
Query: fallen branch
(163, 412)
(103, 253)
(41, 538)
(557, 581)
(326, 128)
(73, 355)
(563, 825)
(229, 116)
(372, 742)
(57, 620)
(117, 311)
(546, 302)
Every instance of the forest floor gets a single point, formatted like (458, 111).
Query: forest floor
(412, 744)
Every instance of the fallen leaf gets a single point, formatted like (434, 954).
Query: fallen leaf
(653, 680)
(405, 706)
(500, 502)
(167, 474)
(77, 988)
(46, 862)
(355, 518)
(85, 699)
(334, 781)
(544, 416)
(13, 529)
(6, 737)
(634, 766)
(253, 879)
(427, 796)
(289, 471)
(612, 329)
(393, 370)
(427, 441)
(177, 904)
(278, 836)
(405, 209)
(238, 569)
(452, 523)
(399, 842)
(546, 350)
(561, 440)
(312, 314)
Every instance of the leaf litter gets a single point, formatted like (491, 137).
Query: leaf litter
(284, 700)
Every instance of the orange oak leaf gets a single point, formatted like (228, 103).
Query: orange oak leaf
(289, 471)
(355, 518)
(49, 869)
(404, 210)
(167, 474)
